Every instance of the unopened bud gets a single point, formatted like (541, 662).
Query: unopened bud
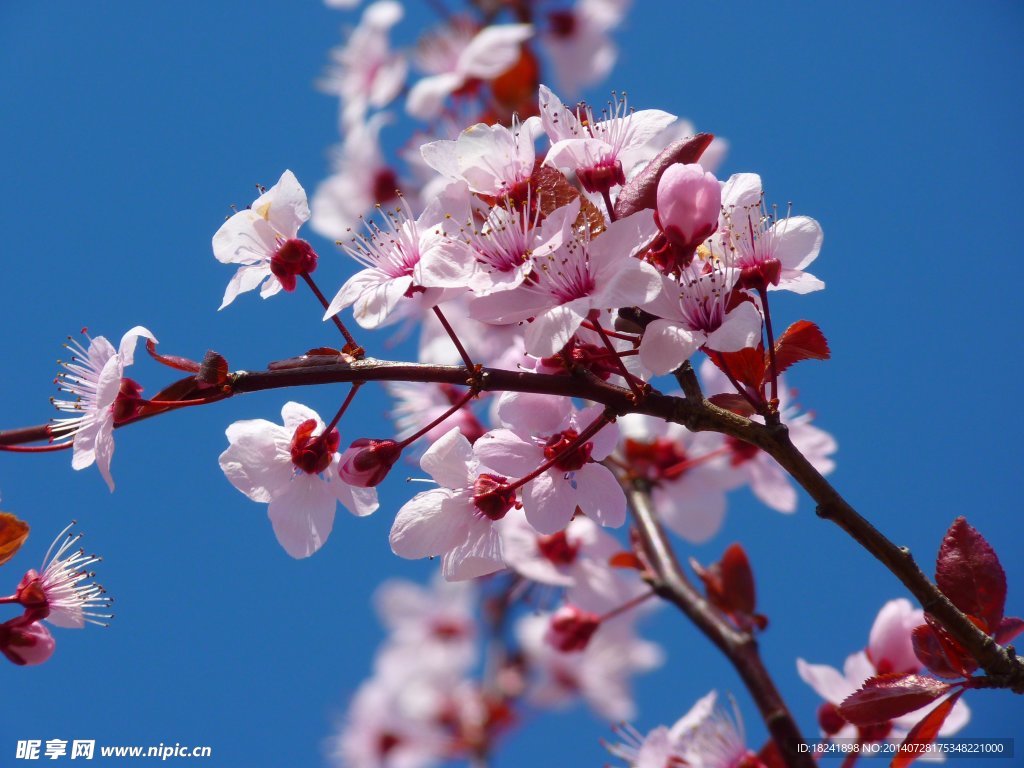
(571, 628)
(313, 454)
(295, 257)
(689, 203)
(366, 462)
(829, 719)
(26, 642)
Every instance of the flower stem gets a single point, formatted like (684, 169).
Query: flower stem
(466, 359)
(638, 393)
(351, 345)
(763, 293)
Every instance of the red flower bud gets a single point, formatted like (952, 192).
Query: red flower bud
(571, 628)
(25, 642)
(293, 258)
(366, 462)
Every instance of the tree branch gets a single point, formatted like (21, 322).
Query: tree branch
(740, 648)
(1001, 664)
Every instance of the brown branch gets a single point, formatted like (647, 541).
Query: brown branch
(740, 648)
(696, 415)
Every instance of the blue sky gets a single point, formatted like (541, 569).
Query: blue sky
(130, 128)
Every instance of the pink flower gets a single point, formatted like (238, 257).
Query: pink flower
(769, 482)
(360, 180)
(689, 204)
(367, 462)
(457, 519)
(538, 428)
(262, 239)
(457, 55)
(294, 470)
(406, 258)
(366, 72)
(59, 593)
(769, 252)
(889, 650)
(103, 397)
(600, 152)
(698, 310)
(601, 674)
(571, 628)
(560, 558)
(688, 473)
(26, 643)
(492, 159)
(577, 40)
(580, 277)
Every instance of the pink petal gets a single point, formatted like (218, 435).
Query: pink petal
(504, 451)
(740, 329)
(303, 515)
(600, 495)
(448, 459)
(429, 524)
(552, 329)
(665, 345)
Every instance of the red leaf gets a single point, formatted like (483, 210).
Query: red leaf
(1008, 629)
(729, 584)
(13, 532)
(931, 651)
(803, 340)
(625, 560)
(959, 658)
(968, 572)
(551, 190)
(213, 371)
(171, 361)
(925, 732)
(732, 402)
(641, 192)
(884, 697)
(748, 366)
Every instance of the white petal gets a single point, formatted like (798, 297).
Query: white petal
(426, 98)
(740, 329)
(493, 50)
(284, 205)
(254, 462)
(797, 241)
(303, 515)
(503, 451)
(478, 555)
(665, 345)
(552, 329)
(245, 279)
(826, 681)
(742, 190)
(429, 524)
(448, 460)
(126, 350)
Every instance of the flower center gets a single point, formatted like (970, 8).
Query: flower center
(572, 460)
(292, 258)
(662, 459)
(558, 549)
(493, 496)
(313, 454)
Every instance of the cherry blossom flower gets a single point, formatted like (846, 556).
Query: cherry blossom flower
(697, 310)
(707, 736)
(103, 397)
(600, 152)
(457, 55)
(295, 471)
(366, 72)
(601, 674)
(578, 43)
(537, 428)
(770, 482)
(262, 239)
(689, 204)
(406, 258)
(769, 252)
(60, 591)
(457, 519)
(889, 650)
(559, 558)
(360, 180)
(581, 277)
(687, 471)
(493, 160)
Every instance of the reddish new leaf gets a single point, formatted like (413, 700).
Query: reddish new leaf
(13, 533)
(729, 584)
(625, 560)
(171, 361)
(738, 404)
(885, 697)
(803, 340)
(931, 651)
(968, 572)
(959, 658)
(551, 190)
(748, 366)
(1009, 628)
(924, 733)
(641, 192)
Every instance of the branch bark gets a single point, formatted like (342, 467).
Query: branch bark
(670, 582)
(697, 415)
